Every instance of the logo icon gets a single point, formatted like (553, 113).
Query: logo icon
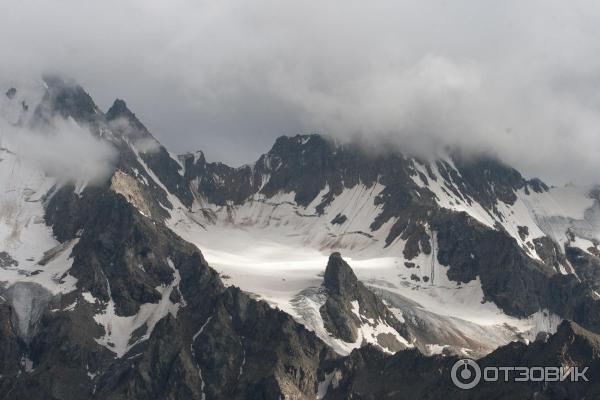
(465, 373)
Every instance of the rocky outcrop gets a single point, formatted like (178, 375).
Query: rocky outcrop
(168, 170)
(350, 306)
(11, 347)
(518, 284)
(246, 349)
(586, 265)
(551, 253)
(367, 373)
(509, 278)
(67, 99)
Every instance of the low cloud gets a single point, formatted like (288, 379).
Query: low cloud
(137, 137)
(514, 78)
(63, 150)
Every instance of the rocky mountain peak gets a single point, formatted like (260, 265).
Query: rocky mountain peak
(354, 313)
(196, 157)
(285, 144)
(571, 332)
(339, 277)
(66, 98)
(120, 111)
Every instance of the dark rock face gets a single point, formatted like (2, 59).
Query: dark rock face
(509, 278)
(7, 261)
(587, 266)
(168, 170)
(274, 357)
(339, 317)
(339, 219)
(67, 213)
(342, 287)
(523, 232)
(575, 300)
(339, 278)
(551, 253)
(123, 247)
(303, 164)
(369, 374)
(488, 180)
(219, 183)
(11, 347)
(516, 283)
(10, 93)
(65, 98)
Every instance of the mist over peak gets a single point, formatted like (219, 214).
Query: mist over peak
(37, 125)
(516, 79)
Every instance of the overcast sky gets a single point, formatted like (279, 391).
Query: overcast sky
(518, 78)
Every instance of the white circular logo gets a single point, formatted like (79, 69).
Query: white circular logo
(465, 373)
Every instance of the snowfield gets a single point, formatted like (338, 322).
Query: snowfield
(278, 251)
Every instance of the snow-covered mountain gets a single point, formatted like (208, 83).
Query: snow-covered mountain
(463, 240)
(106, 289)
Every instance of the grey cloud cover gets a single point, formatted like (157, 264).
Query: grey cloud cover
(64, 150)
(517, 78)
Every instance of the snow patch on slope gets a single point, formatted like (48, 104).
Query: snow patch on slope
(447, 199)
(550, 213)
(118, 330)
(561, 209)
(371, 331)
(24, 236)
